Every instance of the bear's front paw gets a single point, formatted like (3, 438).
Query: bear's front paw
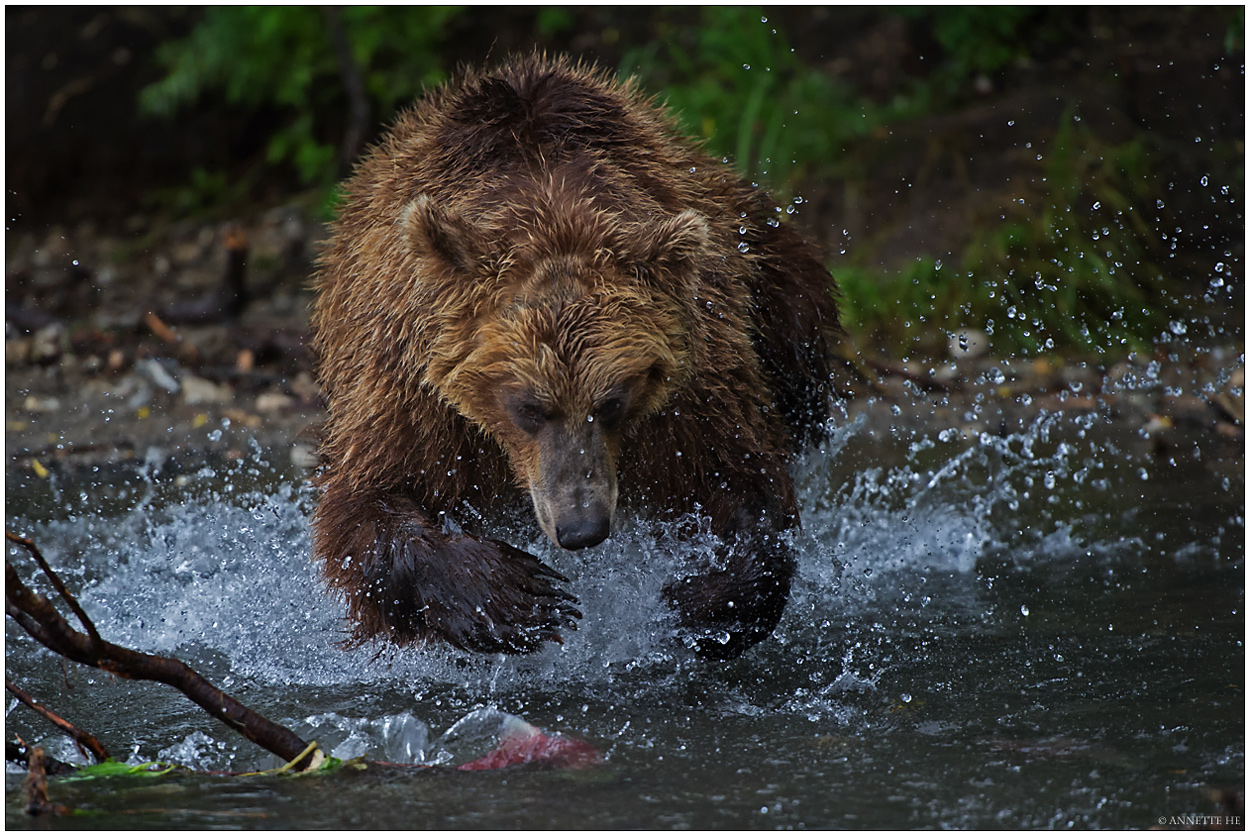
(500, 600)
(714, 624)
(725, 610)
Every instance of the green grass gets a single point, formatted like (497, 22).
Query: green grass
(1072, 265)
(735, 82)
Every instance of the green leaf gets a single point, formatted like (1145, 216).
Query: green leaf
(112, 769)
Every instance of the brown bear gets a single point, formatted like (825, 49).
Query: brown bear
(537, 288)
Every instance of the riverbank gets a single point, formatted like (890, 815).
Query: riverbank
(142, 355)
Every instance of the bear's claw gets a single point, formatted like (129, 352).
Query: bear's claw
(505, 601)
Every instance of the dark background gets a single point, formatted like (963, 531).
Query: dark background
(945, 147)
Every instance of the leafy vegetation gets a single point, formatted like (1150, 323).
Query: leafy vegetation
(1070, 260)
(112, 768)
(1060, 266)
(281, 60)
(1072, 263)
(735, 82)
(978, 40)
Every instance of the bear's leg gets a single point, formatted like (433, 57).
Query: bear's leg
(407, 580)
(734, 600)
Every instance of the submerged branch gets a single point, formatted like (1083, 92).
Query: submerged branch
(38, 617)
(518, 743)
(85, 740)
(18, 751)
(35, 787)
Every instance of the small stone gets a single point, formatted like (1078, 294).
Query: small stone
(155, 372)
(273, 402)
(304, 454)
(37, 403)
(16, 351)
(48, 343)
(968, 344)
(197, 390)
(305, 387)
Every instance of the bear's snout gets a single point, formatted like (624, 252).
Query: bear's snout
(584, 532)
(574, 493)
(576, 517)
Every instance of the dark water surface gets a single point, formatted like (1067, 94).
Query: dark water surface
(1040, 628)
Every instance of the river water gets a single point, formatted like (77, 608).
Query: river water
(1033, 627)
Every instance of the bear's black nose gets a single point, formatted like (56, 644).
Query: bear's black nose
(583, 533)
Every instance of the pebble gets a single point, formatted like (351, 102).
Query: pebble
(198, 391)
(48, 343)
(156, 372)
(273, 402)
(968, 343)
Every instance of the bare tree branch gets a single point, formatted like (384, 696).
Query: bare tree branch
(38, 617)
(30, 547)
(85, 740)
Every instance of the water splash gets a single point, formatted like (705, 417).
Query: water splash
(897, 541)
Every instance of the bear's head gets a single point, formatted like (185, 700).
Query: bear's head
(558, 334)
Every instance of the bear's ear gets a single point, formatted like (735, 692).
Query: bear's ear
(671, 245)
(432, 230)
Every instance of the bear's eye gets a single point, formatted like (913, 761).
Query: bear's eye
(529, 415)
(610, 411)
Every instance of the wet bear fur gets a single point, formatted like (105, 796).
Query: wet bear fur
(538, 292)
